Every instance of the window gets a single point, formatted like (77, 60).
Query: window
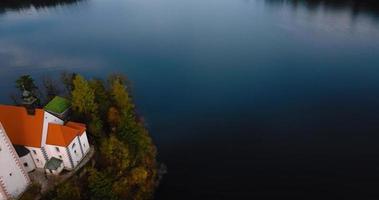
(75, 152)
(57, 149)
(35, 152)
(25, 164)
(73, 145)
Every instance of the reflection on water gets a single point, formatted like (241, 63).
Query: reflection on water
(6, 5)
(356, 7)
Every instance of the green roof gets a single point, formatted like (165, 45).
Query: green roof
(58, 105)
(53, 163)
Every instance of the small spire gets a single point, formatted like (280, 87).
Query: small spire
(28, 99)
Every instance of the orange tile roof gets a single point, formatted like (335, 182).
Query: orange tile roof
(75, 125)
(60, 135)
(21, 128)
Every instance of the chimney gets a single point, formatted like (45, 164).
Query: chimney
(30, 109)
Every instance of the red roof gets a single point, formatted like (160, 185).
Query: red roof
(21, 128)
(60, 135)
(26, 130)
(79, 126)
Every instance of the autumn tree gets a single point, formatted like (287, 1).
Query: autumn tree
(132, 131)
(101, 97)
(83, 97)
(120, 95)
(115, 154)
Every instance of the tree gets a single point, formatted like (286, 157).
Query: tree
(101, 97)
(83, 97)
(115, 154)
(95, 127)
(100, 185)
(134, 186)
(122, 188)
(67, 80)
(68, 190)
(121, 96)
(51, 88)
(114, 118)
(26, 82)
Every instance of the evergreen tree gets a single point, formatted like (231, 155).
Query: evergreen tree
(26, 82)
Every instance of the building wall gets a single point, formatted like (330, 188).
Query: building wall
(75, 151)
(13, 178)
(48, 118)
(2, 194)
(84, 142)
(28, 162)
(37, 155)
(60, 153)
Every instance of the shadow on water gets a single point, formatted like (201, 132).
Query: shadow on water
(15, 5)
(356, 7)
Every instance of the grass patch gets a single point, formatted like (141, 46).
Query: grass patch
(58, 105)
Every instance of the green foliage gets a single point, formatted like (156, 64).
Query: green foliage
(101, 96)
(100, 185)
(120, 95)
(114, 118)
(115, 154)
(95, 127)
(121, 188)
(68, 191)
(83, 97)
(26, 82)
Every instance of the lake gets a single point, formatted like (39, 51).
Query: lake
(245, 99)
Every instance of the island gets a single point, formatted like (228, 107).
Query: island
(75, 139)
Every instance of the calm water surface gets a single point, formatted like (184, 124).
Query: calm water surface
(246, 99)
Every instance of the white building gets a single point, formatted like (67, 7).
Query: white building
(36, 140)
(13, 177)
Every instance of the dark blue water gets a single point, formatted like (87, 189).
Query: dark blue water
(245, 99)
